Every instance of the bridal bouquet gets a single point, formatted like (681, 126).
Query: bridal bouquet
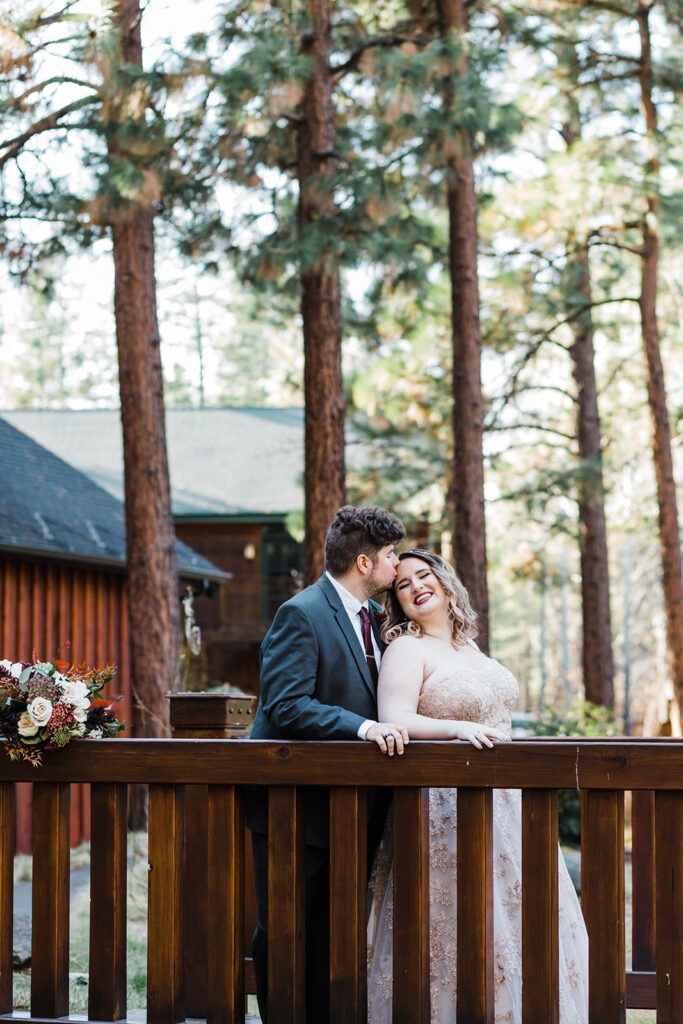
(43, 705)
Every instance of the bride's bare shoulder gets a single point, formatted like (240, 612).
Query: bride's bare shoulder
(404, 645)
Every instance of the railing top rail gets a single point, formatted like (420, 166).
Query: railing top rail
(564, 764)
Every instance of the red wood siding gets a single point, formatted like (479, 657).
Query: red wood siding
(44, 604)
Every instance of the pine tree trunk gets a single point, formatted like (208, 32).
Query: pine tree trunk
(466, 495)
(669, 535)
(152, 581)
(598, 671)
(324, 475)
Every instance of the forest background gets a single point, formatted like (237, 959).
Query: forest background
(449, 229)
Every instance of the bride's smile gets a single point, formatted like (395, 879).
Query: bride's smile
(418, 590)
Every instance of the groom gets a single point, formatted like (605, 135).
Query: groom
(319, 664)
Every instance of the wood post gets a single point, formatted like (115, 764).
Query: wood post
(7, 846)
(108, 889)
(286, 906)
(411, 906)
(474, 984)
(50, 900)
(540, 991)
(602, 894)
(219, 715)
(165, 978)
(669, 867)
(348, 905)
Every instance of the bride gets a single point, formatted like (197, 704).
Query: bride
(436, 682)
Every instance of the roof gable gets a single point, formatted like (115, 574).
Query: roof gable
(222, 462)
(49, 508)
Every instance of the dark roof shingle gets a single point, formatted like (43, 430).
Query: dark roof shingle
(49, 508)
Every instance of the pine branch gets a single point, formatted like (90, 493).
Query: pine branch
(52, 19)
(46, 124)
(545, 336)
(599, 239)
(56, 80)
(530, 426)
(379, 42)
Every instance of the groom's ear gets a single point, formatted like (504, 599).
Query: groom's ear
(364, 564)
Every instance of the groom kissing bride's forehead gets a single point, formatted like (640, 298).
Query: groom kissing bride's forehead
(319, 666)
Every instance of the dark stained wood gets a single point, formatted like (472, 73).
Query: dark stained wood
(108, 878)
(652, 764)
(348, 905)
(165, 922)
(540, 991)
(7, 847)
(641, 990)
(225, 965)
(669, 872)
(50, 900)
(286, 906)
(411, 906)
(602, 894)
(195, 900)
(475, 907)
(643, 868)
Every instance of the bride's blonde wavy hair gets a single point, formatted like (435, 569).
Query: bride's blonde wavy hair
(460, 611)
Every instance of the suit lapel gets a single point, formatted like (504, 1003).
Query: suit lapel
(344, 623)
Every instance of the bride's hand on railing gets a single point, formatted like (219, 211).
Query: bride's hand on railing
(477, 734)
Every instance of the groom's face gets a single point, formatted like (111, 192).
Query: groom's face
(383, 571)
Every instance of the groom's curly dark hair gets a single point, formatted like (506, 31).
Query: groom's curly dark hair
(359, 531)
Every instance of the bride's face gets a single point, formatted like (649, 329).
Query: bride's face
(419, 592)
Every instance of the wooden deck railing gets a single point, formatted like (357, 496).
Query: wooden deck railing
(603, 770)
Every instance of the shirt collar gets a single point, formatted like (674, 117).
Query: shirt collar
(351, 603)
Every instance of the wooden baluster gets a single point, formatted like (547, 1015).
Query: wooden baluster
(108, 862)
(50, 900)
(286, 906)
(643, 865)
(540, 988)
(8, 840)
(411, 906)
(474, 984)
(225, 966)
(602, 893)
(669, 890)
(165, 975)
(348, 905)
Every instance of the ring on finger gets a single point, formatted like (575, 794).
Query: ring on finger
(388, 735)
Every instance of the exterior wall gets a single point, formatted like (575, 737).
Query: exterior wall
(234, 625)
(44, 604)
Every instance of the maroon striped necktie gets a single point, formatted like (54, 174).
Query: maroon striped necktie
(367, 641)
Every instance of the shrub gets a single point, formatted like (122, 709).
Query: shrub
(581, 719)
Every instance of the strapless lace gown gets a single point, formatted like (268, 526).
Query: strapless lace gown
(485, 693)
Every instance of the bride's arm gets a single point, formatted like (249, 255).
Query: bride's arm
(398, 692)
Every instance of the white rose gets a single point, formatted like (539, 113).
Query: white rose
(78, 729)
(26, 726)
(40, 710)
(75, 693)
(16, 669)
(80, 714)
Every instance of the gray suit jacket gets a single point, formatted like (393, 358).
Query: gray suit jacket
(315, 685)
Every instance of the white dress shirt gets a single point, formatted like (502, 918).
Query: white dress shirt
(352, 607)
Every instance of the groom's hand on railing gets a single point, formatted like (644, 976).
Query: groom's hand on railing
(389, 737)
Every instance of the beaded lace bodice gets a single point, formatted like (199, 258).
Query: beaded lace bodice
(478, 690)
